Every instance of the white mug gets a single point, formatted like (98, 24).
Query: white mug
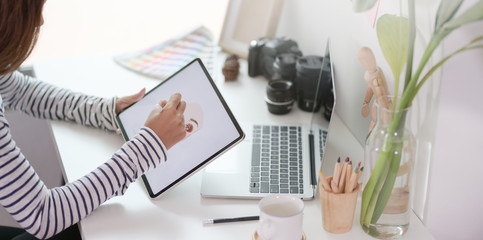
(281, 218)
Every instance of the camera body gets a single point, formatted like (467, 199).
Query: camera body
(263, 52)
(292, 76)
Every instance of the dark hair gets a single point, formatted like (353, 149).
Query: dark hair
(20, 22)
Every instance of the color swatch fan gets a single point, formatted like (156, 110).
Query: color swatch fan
(164, 59)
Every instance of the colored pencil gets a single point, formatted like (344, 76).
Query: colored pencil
(337, 171)
(353, 181)
(325, 183)
(342, 180)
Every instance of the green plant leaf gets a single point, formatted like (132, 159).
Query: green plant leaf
(477, 39)
(392, 32)
(446, 11)
(410, 50)
(362, 5)
(473, 14)
(471, 45)
(373, 187)
(388, 184)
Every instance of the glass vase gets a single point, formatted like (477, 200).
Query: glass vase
(388, 156)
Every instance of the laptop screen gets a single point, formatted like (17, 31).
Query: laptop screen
(324, 95)
(347, 128)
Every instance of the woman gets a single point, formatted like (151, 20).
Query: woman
(45, 212)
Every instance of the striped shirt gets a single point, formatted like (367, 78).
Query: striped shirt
(44, 212)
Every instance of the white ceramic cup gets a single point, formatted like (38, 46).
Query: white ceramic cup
(281, 218)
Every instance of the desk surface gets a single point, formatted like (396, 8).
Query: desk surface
(177, 214)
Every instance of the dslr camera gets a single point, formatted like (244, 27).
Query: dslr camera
(263, 52)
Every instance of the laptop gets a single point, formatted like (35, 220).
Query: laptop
(273, 158)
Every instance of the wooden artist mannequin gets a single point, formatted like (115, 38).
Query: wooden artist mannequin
(374, 77)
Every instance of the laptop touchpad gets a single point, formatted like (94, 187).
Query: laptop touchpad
(233, 161)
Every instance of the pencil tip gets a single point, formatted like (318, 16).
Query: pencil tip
(338, 160)
(347, 159)
(362, 168)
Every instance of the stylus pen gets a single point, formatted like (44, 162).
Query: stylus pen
(227, 220)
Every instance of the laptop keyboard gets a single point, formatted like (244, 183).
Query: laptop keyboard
(322, 139)
(277, 160)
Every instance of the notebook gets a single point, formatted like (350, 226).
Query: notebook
(206, 113)
(255, 168)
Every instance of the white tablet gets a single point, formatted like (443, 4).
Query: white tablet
(212, 128)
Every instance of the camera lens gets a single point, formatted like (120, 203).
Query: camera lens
(271, 50)
(280, 96)
(284, 66)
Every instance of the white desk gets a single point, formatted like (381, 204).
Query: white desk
(178, 214)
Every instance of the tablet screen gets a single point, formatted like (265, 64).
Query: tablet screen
(211, 127)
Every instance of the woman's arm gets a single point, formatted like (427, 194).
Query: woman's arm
(42, 100)
(44, 212)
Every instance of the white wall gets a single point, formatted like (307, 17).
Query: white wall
(455, 192)
(88, 27)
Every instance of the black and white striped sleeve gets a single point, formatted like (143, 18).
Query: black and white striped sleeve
(44, 212)
(43, 100)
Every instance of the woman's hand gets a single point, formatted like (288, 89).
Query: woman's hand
(169, 123)
(125, 102)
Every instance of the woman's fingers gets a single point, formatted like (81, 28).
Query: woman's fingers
(174, 100)
(169, 123)
(181, 107)
(124, 102)
(163, 103)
